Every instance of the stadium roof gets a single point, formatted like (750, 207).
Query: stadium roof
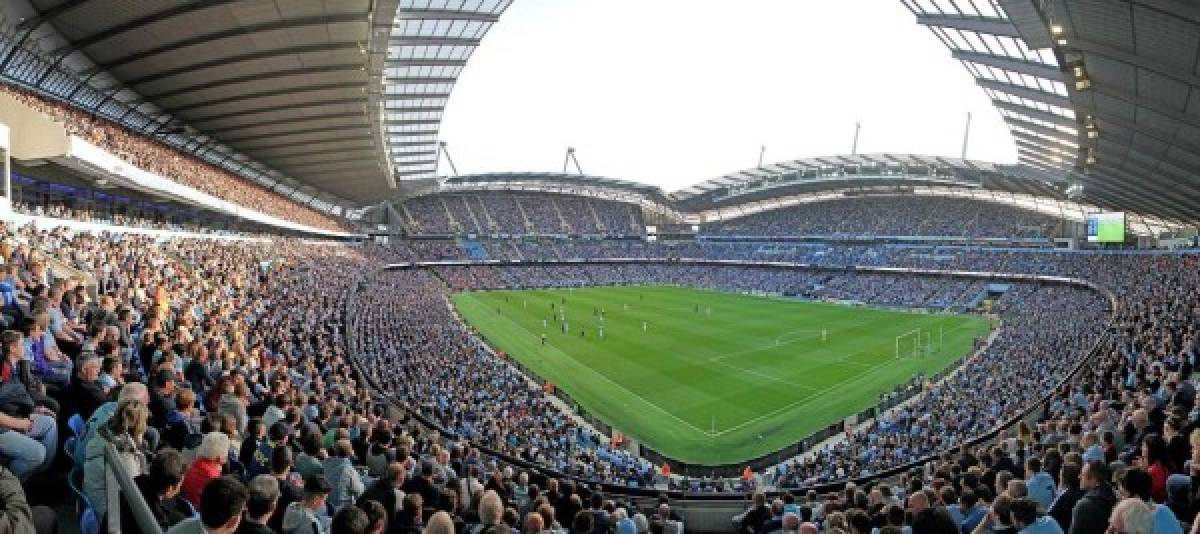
(829, 172)
(429, 44)
(318, 99)
(554, 182)
(1102, 92)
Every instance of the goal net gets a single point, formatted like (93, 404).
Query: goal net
(914, 343)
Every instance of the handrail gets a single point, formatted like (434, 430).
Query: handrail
(1114, 306)
(118, 483)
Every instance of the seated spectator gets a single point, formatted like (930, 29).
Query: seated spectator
(410, 517)
(160, 489)
(223, 500)
(387, 489)
(377, 517)
(1070, 493)
(289, 490)
(350, 520)
(308, 515)
(1024, 516)
(181, 431)
(1132, 516)
(86, 393)
(439, 523)
(263, 496)
(30, 434)
(345, 483)
(124, 431)
(211, 457)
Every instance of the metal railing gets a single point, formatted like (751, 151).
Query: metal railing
(117, 485)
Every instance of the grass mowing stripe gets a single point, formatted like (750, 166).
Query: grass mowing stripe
(660, 387)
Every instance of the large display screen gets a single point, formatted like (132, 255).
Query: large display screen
(1106, 227)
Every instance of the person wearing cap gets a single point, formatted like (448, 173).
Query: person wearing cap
(308, 515)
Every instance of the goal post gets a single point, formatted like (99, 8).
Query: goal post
(911, 343)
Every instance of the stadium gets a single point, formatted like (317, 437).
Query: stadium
(246, 289)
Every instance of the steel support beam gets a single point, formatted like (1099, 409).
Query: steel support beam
(1032, 68)
(990, 25)
(180, 10)
(232, 61)
(1044, 131)
(1036, 95)
(444, 14)
(409, 40)
(267, 75)
(251, 138)
(265, 94)
(425, 62)
(286, 107)
(285, 122)
(1037, 114)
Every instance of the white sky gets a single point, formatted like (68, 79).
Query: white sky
(672, 92)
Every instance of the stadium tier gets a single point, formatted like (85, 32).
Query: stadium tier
(894, 216)
(241, 294)
(491, 213)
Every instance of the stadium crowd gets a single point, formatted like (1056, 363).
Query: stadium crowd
(153, 156)
(487, 213)
(898, 215)
(223, 376)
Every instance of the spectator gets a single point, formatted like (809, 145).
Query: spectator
(223, 501)
(344, 481)
(1132, 516)
(263, 497)
(1092, 512)
(306, 516)
(30, 437)
(160, 490)
(1024, 514)
(1069, 495)
(211, 457)
(439, 523)
(351, 520)
(123, 431)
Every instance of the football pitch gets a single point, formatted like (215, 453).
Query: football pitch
(709, 377)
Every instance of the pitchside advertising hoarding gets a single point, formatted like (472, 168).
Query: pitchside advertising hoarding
(1106, 227)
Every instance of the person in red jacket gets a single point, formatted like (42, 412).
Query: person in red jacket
(1155, 460)
(211, 456)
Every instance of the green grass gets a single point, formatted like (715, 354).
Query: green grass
(746, 379)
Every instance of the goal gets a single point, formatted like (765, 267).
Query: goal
(914, 343)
